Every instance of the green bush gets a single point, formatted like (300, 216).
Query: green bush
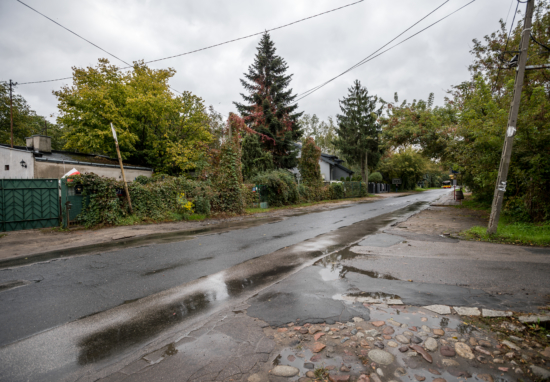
(142, 179)
(154, 201)
(281, 188)
(336, 191)
(375, 177)
(355, 189)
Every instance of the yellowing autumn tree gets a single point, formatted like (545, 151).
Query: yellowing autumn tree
(154, 127)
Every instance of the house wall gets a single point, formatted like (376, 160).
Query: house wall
(325, 170)
(13, 158)
(337, 173)
(53, 170)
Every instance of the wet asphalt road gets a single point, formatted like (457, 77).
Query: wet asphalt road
(56, 292)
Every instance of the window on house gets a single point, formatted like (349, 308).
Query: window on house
(7, 167)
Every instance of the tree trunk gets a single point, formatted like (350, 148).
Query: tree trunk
(363, 170)
(367, 168)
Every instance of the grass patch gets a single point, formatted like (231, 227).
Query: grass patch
(473, 204)
(196, 217)
(508, 231)
(513, 233)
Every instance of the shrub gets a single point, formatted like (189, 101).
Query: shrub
(281, 187)
(142, 179)
(156, 200)
(336, 191)
(308, 164)
(226, 174)
(375, 177)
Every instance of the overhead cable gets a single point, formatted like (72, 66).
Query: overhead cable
(192, 51)
(88, 41)
(371, 57)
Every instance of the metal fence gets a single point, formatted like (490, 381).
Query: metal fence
(28, 204)
(72, 202)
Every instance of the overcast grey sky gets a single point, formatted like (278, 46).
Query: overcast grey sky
(33, 48)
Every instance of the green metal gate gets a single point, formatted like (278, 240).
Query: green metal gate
(71, 199)
(28, 203)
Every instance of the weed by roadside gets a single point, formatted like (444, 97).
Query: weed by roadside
(321, 374)
(509, 231)
(537, 335)
(513, 233)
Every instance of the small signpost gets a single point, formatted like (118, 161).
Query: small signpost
(396, 181)
(122, 170)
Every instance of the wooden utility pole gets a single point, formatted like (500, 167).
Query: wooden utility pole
(500, 187)
(12, 84)
(122, 170)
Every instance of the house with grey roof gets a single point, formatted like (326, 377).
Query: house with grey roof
(37, 160)
(331, 167)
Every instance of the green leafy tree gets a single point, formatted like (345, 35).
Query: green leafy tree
(310, 169)
(153, 126)
(268, 105)
(324, 132)
(484, 102)
(408, 165)
(25, 121)
(358, 129)
(419, 123)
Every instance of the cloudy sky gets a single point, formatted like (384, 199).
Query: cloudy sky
(34, 48)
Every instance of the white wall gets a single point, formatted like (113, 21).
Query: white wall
(13, 158)
(55, 170)
(325, 170)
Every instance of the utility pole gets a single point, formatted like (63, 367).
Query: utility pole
(45, 127)
(500, 187)
(12, 84)
(122, 170)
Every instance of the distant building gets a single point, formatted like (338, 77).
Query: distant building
(331, 167)
(38, 161)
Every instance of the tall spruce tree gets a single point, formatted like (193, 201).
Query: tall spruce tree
(268, 106)
(358, 129)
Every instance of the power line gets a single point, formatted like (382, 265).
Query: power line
(193, 51)
(501, 59)
(97, 46)
(67, 29)
(371, 57)
(256, 34)
(382, 47)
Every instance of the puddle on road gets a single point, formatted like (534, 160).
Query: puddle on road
(103, 344)
(218, 288)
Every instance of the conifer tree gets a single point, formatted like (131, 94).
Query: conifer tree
(358, 129)
(268, 107)
(254, 159)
